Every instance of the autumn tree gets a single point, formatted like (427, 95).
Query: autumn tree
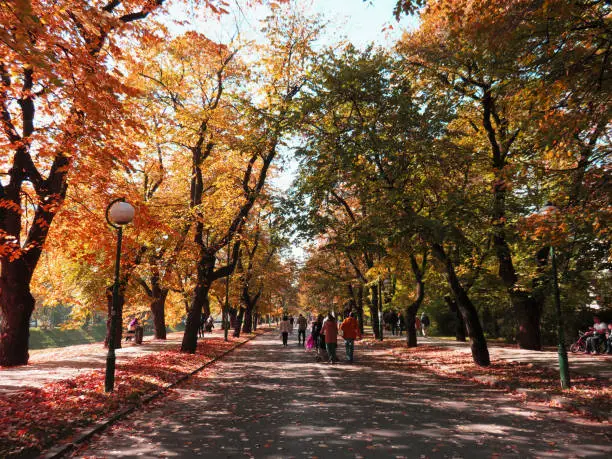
(62, 110)
(504, 76)
(267, 118)
(371, 126)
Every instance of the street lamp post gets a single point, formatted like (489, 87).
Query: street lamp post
(226, 306)
(550, 209)
(118, 213)
(381, 325)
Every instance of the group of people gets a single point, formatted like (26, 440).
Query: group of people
(396, 323)
(324, 334)
(286, 327)
(599, 332)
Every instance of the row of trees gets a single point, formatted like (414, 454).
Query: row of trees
(430, 161)
(422, 165)
(101, 99)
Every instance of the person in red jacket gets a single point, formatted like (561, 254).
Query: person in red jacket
(350, 332)
(330, 329)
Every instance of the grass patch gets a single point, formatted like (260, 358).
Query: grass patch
(56, 337)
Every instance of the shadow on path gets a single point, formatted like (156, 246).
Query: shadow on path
(272, 402)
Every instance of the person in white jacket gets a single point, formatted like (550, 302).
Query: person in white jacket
(285, 328)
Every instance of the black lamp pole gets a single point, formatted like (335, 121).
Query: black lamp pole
(109, 380)
(550, 210)
(561, 350)
(226, 321)
(381, 325)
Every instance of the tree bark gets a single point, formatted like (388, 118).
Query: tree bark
(412, 310)
(374, 311)
(526, 307)
(200, 303)
(239, 320)
(17, 305)
(247, 325)
(158, 309)
(118, 312)
(359, 303)
(460, 325)
(411, 334)
(480, 351)
(528, 312)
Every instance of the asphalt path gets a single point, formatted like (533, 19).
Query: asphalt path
(267, 401)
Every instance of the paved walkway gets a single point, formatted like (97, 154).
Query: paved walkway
(47, 365)
(266, 401)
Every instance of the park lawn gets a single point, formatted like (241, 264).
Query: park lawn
(33, 420)
(589, 396)
(44, 338)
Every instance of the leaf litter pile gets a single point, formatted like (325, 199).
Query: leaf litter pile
(36, 418)
(589, 396)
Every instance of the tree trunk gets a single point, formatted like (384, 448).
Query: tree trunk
(412, 310)
(200, 303)
(360, 307)
(411, 334)
(480, 351)
(239, 319)
(118, 312)
(16, 300)
(374, 311)
(17, 305)
(199, 306)
(460, 325)
(247, 326)
(526, 308)
(158, 308)
(528, 311)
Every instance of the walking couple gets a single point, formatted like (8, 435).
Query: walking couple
(286, 327)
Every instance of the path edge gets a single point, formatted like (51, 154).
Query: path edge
(88, 432)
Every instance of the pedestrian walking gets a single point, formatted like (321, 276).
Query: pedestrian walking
(424, 323)
(330, 329)
(350, 332)
(417, 324)
(401, 323)
(322, 319)
(302, 324)
(315, 334)
(285, 327)
(201, 328)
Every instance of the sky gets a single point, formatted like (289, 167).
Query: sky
(361, 22)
